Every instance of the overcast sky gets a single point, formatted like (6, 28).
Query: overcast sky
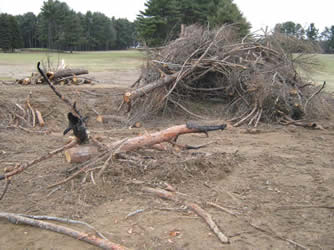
(260, 13)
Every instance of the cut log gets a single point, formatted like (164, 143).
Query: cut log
(166, 135)
(39, 118)
(80, 154)
(69, 72)
(130, 95)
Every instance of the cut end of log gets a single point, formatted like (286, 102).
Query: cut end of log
(127, 97)
(50, 75)
(99, 118)
(80, 154)
(137, 125)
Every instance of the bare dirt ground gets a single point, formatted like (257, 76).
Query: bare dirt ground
(278, 181)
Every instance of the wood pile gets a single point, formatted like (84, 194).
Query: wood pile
(61, 77)
(253, 78)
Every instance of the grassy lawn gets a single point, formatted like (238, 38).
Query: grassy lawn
(94, 61)
(324, 71)
(24, 63)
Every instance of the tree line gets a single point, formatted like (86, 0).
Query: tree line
(311, 33)
(59, 27)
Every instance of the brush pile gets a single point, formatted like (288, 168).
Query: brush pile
(254, 79)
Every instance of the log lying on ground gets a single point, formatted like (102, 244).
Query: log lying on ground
(130, 95)
(80, 153)
(166, 135)
(69, 72)
(64, 76)
(148, 140)
(110, 118)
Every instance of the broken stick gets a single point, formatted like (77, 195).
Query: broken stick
(193, 206)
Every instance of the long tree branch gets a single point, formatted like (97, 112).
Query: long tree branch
(91, 239)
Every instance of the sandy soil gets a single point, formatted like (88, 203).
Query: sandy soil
(279, 181)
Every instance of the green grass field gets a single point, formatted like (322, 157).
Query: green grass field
(93, 61)
(97, 61)
(325, 70)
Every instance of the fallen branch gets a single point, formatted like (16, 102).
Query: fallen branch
(68, 102)
(91, 239)
(23, 166)
(133, 94)
(313, 95)
(5, 189)
(193, 206)
(166, 135)
(64, 220)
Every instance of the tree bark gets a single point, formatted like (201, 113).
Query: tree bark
(69, 72)
(130, 95)
(163, 136)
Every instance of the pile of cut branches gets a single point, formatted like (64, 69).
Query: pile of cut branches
(253, 78)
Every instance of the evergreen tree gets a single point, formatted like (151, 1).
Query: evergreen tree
(10, 37)
(72, 31)
(125, 33)
(291, 29)
(328, 36)
(228, 13)
(161, 19)
(312, 32)
(4, 32)
(155, 24)
(28, 28)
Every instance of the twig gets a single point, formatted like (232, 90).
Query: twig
(53, 191)
(68, 102)
(113, 152)
(221, 208)
(5, 189)
(278, 237)
(86, 165)
(193, 206)
(23, 166)
(32, 131)
(314, 94)
(91, 239)
(246, 117)
(134, 213)
(32, 111)
(92, 177)
(186, 110)
(303, 207)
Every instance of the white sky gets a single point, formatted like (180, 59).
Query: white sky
(260, 13)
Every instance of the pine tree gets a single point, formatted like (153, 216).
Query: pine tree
(162, 19)
(312, 32)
